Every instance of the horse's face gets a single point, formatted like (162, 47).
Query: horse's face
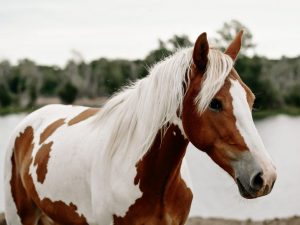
(225, 130)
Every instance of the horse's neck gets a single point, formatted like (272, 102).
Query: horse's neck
(160, 167)
(165, 199)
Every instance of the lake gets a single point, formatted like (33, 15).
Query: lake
(215, 193)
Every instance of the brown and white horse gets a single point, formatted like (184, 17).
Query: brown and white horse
(123, 164)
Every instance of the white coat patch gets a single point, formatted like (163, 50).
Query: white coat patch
(246, 127)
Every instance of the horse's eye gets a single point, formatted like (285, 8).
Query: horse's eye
(215, 105)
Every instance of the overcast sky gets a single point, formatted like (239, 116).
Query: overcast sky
(47, 31)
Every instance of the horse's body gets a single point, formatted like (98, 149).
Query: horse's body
(64, 143)
(122, 165)
(65, 181)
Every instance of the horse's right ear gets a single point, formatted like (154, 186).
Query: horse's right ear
(200, 52)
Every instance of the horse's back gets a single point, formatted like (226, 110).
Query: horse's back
(47, 167)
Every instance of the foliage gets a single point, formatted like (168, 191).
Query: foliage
(228, 32)
(250, 70)
(293, 96)
(276, 83)
(51, 78)
(5, 98)
(68, 93)
(167, 48)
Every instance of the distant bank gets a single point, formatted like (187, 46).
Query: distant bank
(100, 101)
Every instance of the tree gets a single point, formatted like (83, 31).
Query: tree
(29, 84)
(72, 74)
(5, 97)
(166, 48)
(157, 54)
(229, 31)
(293, 96)
(179, 42)
(51, 78)
(68, 93)
(251, 72)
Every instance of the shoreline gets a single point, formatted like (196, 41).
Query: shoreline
(295, 220)
(100, 101)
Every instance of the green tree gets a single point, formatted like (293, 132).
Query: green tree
(99, 69)
(51, 78)
(157, 54)
(28, 82)
(178, 41)
(164, 50)
(293, 96)
(229, 31)
(250, 70)
(5, 98)
(68, 93)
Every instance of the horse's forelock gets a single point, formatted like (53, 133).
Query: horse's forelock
(218, 68)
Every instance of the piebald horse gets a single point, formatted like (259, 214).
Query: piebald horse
(123, 164)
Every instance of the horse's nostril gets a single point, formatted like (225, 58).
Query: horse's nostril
(257, 181)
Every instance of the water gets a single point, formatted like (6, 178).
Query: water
(7, 124)
(215, 193)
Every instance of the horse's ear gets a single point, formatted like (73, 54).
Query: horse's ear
(235, 46)
(200, 52)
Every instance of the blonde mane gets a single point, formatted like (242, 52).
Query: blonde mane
(217, 69)
(138, 112)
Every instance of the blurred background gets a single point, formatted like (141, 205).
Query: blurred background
(81, 52)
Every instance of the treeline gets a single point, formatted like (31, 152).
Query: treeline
(276, 83)
(22, 84)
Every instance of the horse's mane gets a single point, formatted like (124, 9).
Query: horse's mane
(139, 111)
(217, 69)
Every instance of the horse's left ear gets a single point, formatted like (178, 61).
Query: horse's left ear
(200, 52)
(235, 46)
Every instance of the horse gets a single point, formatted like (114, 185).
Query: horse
(123, 164)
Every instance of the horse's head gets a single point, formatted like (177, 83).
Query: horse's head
(217, 118)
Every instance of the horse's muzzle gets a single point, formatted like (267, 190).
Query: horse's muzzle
(254, 180)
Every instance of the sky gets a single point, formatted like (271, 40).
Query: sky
(50, 31)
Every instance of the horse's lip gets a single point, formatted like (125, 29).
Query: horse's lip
(243, 191)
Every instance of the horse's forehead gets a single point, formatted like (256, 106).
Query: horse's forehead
(225, 89)
(235, 76)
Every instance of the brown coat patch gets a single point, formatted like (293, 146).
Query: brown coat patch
(41, 160)
(29, 207)
(51, 129)
(166, 199)
(83, 116)
(62, 213)
(26, 209)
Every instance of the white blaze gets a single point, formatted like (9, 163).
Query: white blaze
(247, 129)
